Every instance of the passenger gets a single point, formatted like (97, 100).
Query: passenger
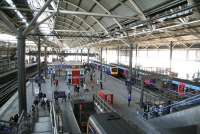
(44, 95)
(168, 107)
(94, 75)
(33, 108)
(69, 95)
(40, 95)
(84, 87)
(64, 97)
(56, 99)
(78, 89)
(91, 78)
(129, 100)
(16, 117)
(43, 103)
(155, 111)
(11, 120)
(36, 102)
(57, 83)
(48, 104)
(160, 110)
(45, 100)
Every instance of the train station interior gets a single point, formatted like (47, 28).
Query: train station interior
(99, 66)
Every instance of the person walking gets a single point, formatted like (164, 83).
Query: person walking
(84, 87)
(56, 83)
(129, 100)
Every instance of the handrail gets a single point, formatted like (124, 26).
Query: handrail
(20, 117)
(184, 101)
(53, 118)
(177, 105)
(106, 106)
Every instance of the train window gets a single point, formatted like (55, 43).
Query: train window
(114, 69)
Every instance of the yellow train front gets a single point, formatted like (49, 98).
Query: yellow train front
(114, 71)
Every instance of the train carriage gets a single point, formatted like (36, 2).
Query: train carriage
(110, 123)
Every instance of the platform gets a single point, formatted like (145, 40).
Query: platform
(116, 87)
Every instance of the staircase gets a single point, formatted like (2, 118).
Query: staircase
(43, 123)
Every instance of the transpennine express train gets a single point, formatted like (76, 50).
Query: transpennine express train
(174, 86)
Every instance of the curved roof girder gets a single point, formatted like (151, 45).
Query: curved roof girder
(115, 20)
(196, 13)
(138, 10)
(77, 23)
(82, 20)
(108, 12)
(98, 22)
(63, 22)
(73, 27)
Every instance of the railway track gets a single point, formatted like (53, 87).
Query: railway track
(8, 84)
(147, 92)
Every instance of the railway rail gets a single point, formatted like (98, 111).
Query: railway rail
(8, 82)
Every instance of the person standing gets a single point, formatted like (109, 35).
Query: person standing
(84, 87)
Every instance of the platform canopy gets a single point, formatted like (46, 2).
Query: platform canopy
(110, 23)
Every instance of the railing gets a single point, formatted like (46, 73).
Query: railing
(6, 65)
(181, 105)
(23, 125)
(100, 103)
(53, 118)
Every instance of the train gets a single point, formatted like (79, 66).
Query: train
(109, 69)
(174, 85)
(110, 123)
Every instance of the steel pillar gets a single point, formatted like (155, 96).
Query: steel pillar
(38, 60)
(170, 55)
(101, 73)
(106, 55)
(45, 60)
(118, 55)
(129, 85)
(136, 68)
(21, 70)
(88, 55)
(81, 54)
(142, 92)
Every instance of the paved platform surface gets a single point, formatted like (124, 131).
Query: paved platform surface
(121, 103)
(118, 89)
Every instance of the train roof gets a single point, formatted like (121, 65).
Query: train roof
(112, 123)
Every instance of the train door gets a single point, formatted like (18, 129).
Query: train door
(181, 89)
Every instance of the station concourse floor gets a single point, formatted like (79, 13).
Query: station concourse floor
(118, 89)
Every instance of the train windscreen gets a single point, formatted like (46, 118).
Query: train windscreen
(114, 69)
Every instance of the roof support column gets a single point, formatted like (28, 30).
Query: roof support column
(118, 49)
(106, 55)
(129, 85)
(136, 58)
(101, 73)
(21, 70)
(142, 92)
(81, 54)
(45, 60)
(39, 66)
(170, 55)
(88, 55)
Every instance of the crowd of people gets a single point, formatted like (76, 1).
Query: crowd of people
(153, 110)
(41, 100)
(14, 119)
